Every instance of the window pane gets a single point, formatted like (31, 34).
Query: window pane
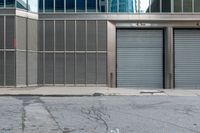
(1, 3)
(59, 5)
(197, 5)
(91, 5)
(80, 5)
(155, 5)
(143, 6)
(112, 6)
(166, 6)
(70, 5)
(40, 5)
(22, 4)
(10, 3)
(125, 5)
(48, 5)
(177, 6)
(187, 5)
(33, 5)
(102, 5)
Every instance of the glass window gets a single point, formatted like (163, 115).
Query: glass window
(70, 5)
(177, 5)
(10, 3)
(102, 5)
(91, 5)
(143, 6)
(40, 5)
(59, 5)
(112, 6)
(124, 5)
(49, 6)
(1, 3)
(155, 5)
(22, 4)
(196, 5)
(80, 5)
(166, 5)
(187, 5)
(33, 5)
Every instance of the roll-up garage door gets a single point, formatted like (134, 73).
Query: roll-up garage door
(140, 58)
(187, 58)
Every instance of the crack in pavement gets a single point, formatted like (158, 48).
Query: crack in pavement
(96, 114)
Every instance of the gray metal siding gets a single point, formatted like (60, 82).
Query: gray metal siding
(10, 32)
(59, 35)
(10, 69)
(21, 68)
(187, 58)
(59, 68)
(2, 32)
(140, 58)
(32, 68)
(21, 33)
(1, 68)
(49, 35)
(32, 35)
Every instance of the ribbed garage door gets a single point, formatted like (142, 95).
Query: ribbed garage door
(187, 58)
(140, 58)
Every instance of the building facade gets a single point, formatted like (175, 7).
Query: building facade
(114, 43)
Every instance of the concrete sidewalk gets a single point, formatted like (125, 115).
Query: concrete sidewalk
(94, 91)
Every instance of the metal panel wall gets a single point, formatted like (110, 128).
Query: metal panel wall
(10, 32)
(187, 58)
(21, 33)
(70, 69)
(21, 68)
(80, 35)
(140, 58)
(10, 69)
(59, 35)
(78, 62)
(49, 68)
(32, 35)
(1, 32)
(70, 35)
(1, 68)
(40, 36)
(59, 68)
(32, 68)
(49, 35)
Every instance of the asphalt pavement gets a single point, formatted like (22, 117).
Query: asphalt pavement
(101, 114)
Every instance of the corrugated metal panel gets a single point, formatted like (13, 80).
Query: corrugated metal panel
(1, 68)
(10, 30)
(1, 32)
(140, 58)
(102, 35)
(70, 35)
(40, 68)
(59, 68)
(32, 68)
(49, 68)
(59, 35)
(49, 35)
(40, 35)
(80, 69)
(70, 69)
(10, 69)
(80, 36)
(101, 68)
(91, 68)
(91, 35)
(21, 68)
(187, 58)
(32, 35)
(21, 33)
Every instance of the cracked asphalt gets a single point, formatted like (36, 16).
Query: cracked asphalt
(104, 114)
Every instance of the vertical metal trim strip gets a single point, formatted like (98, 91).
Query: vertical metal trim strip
(4, 51)
(86, 52)
(44, 39)
(97, 38)
(54, 55)
(75, 54)
(65, 52)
